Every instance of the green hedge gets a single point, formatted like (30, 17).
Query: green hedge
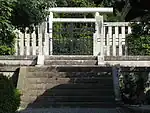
(9, 96)
(5, 50)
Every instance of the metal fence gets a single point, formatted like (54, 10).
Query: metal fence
(73, 38)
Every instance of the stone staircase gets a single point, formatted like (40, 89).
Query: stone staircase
(54, 85)
(75, 110)
(70, 60)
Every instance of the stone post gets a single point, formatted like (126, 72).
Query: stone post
(115, 73)
(51, 32)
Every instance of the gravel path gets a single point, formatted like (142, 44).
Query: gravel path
(74, 110)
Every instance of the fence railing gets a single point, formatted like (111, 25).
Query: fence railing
(36, 43)
(114, 38)
(108, 38)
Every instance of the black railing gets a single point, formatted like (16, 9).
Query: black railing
(73, 38)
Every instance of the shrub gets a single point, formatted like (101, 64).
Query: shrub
(7, 36)
(9, 96)
(5, 50)
(147, 97)
(138, 42)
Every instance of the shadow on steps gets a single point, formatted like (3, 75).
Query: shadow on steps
(78, 92)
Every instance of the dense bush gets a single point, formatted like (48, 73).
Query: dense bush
(29, 13)
(138, 42)
(5, 50)
(6, 28)
(7, 42)
(133, 87)
(9, 96)
(147, 97)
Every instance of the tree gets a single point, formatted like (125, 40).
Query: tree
(6, 28)
(29, 13)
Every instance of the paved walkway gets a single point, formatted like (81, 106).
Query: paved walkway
(75, 110)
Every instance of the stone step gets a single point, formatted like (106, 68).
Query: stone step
(13, 57)
(69, 80)
(17, 60)
(17, 63)
(71, 57)
(70, 89)
(73, 110)
(43, 74)
(70, 62)
(69, 92)
(69, 68)
(9, 68)
(71, 86)
(70, 105)
(54, 99)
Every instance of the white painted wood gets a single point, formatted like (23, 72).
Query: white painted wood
(46, 44)
(89, 20)
(116, 23)
(81, 10)
(104, 40)
(51, 33)
(101, 35)
(114, 45)
(40, 60)
(120, 44)
(100, 60)
(33, 35)
(95, 52)
(21, 45)
(121, 37)
(46, 41)
(109, 38)
(108, 46)
(129, 29)
(16, 43)
(74, 20)
(96, 38)
(116, 36)
(40, 47)
(16, 46)
(27, 44)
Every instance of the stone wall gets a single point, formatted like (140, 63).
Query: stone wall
(10, 65)
(46, 87)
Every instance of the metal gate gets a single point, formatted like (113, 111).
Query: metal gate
(73, 35)
(73, 38)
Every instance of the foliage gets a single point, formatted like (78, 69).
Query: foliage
(5, 13)
(147, 96)
(75, 3)
(73, 38)
(132, 87)
(5, 50)
(6, 28)
(7, 41)
(138, 42)
(21, 14)
(9, 96)
(29, 13)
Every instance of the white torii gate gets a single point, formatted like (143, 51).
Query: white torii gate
(98, 48)
(112, 33)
